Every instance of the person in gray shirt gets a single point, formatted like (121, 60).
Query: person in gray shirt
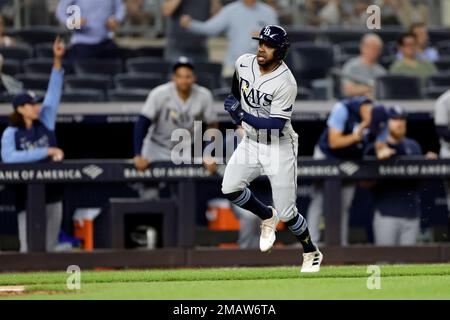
(239, 20)
(179, 41)
(442, 123)
(359, 73)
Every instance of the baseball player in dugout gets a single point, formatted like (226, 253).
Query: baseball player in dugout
(262, 101)
(173, 105)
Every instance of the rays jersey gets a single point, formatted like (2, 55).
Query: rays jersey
(168, 113)
(269, 95)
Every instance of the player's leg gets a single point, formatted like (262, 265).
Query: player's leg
(284, 191)
(242, 168)
(385, 230)
(315, 208)
(22, 228)
(348, 191)
(409, 231)
(54, 220)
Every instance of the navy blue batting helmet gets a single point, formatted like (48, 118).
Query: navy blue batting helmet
(278, 38)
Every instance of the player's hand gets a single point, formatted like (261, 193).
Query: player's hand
(233, 106)
(210, 164)
(56, 154)
(112, 24)
(430, 155)
(59, 49)
(385, 153)
(185, 21)
(141, 163)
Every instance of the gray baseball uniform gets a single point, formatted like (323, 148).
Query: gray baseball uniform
(268, 95)
(168, 112)
(442, 118)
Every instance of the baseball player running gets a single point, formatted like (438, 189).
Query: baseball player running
(263, 95)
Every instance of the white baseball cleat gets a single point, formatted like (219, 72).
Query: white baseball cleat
(312, 261)
(268, 228)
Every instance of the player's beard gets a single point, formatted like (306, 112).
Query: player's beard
(268, 63)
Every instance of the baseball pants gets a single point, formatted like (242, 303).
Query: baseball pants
(315, 210)
(54, 219)
(391, 231)
(276, 160)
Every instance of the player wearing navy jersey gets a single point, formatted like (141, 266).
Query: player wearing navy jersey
(263, 97)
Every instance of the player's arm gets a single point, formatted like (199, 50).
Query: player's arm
(54, 91)
(211, 27)
(10, 154)
(441, 120)
(336, 124)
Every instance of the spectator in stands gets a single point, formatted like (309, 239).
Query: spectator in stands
(179, 41)
(230, 20)
(5, 40)
(409, 64)
(137, 15)
(360, 73)
(442, 123)
(397, 202)
(402, 12)
(99, 21)
(31, 138)
(424, 52)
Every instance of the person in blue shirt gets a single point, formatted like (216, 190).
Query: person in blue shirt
(397, 202)
(99, 20)
(349, 129)
(31, 138)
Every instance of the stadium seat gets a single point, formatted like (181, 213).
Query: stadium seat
(301, 35)
(399, 87)
(390, 34)
(20, 52)
(148, 65)
(207, 80)
(34, 81)
(42, 65)
(211, 68)
(349, 47)
(339, 35)
(44, 50)
(220, 94)
(310, 62)
(437, 35)
(11, 67)
(443, 64)
(138, 81)
(98, 82)
(83, 95)
(444, 47)
(439, 80)
(148, 51)
(99, 67)
(38, 34)
(435, 92)
(130, 95)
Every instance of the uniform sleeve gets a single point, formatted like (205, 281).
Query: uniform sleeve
(120, 10)
(151, 107)
(11, 155)
(338, 117)
(441, 112)
(52, 99)
(283, 102)
(209, 112)
(61, 10)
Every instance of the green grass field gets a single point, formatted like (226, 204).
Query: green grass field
(348, 282)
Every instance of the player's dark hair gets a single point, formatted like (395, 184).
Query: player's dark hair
(178, 66)
(16, 119)
(402, 38)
